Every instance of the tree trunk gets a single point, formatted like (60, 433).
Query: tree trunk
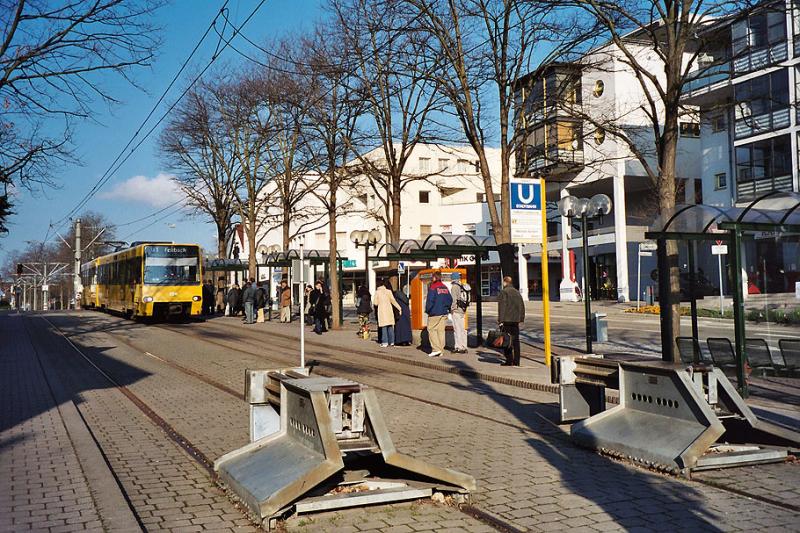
(666, 201)
(222, 251)
(285, 228)
(332, 266)
(252, 262)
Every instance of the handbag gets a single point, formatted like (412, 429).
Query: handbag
(498, 340)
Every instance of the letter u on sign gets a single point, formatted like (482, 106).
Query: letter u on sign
(525, 195)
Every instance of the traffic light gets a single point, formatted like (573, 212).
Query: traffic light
(19, 269)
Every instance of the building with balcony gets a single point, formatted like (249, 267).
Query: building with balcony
(565, 116)
(747, 90)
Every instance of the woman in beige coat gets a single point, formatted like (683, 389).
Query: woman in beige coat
(384, 300)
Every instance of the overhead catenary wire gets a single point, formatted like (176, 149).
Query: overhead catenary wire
(117, 163)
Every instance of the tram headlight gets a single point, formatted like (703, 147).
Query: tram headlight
(196, 298)
(147, 299)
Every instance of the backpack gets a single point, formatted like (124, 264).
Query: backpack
(464, 297)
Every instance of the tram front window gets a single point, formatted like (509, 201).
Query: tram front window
(171, 265)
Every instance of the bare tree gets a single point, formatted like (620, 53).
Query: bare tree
(332, 123)
(247, 119)
(675, 31)
(394, 72)
(482, 47)
(52, 57)
(196, 147)
(291, 158)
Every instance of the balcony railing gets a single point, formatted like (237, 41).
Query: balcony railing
(553, 158)
(760, 58)
(707, 76)
(763, 123)
(749, 190)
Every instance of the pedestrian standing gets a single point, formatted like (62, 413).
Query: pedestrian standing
(285, 299)
(364, 308)
(460, 293)
(249, 299)
(384, 302)
(261, 301)
(208, 297)
(402, 327)
(310, 296)
(437, 307)
(234, 299)
(510, 314)
(320, 309)
(221, 294)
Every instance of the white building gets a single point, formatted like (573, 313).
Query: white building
(562, 108)
(442, 193)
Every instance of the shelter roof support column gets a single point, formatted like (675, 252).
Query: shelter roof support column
(621, 239)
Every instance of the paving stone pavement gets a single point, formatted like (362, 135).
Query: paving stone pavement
(42, 486)
(529, 474)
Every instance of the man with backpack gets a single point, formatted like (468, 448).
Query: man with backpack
(461, 299)
(437, 307)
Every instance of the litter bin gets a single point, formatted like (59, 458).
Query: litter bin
(599, 327)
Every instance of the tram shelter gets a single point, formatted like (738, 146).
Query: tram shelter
(315, 258)
(775, 213)
(438, 246)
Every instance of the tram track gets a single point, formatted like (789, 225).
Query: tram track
(196, 454)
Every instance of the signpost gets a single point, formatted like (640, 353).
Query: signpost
(646, 249)
(719, 250)
(529, 226)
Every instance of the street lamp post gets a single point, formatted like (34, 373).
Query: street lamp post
(585, 208)
(366, 239)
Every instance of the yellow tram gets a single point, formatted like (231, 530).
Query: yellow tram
(149, 279)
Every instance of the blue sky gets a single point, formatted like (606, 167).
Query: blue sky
(141, 186)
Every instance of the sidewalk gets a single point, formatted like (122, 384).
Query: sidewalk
(52, 474)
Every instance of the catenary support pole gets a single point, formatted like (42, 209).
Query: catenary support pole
(76, 283)
(301, 295)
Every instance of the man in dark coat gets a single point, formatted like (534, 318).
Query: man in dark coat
(249, 299)
(510, 314)
(208, 298)
(234, 295)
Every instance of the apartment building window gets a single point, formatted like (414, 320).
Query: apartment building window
(690, 129)
(463, 165)
(720, 181)
(489, 229)
(424, 230)
(443, 164)
(341, 241)
(480, 197)
(763, 166)
(718, 123)
(424, 197)
(761, 104)
(763, 30)
(424, 164)
(447, 229)
(470, 229)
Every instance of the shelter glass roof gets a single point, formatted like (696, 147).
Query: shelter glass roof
(774, 209)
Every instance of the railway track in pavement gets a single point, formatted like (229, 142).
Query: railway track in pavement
(253, 346)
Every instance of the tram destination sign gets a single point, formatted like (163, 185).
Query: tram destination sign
(170, 251)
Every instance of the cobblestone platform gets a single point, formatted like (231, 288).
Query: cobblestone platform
(465, 413)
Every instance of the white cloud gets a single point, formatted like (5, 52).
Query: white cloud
(159, 191)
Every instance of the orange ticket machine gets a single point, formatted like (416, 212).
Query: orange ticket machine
(419, 292)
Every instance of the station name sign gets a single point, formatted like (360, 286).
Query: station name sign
(526, 211)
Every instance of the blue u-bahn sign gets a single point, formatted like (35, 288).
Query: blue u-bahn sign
(526, 211)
